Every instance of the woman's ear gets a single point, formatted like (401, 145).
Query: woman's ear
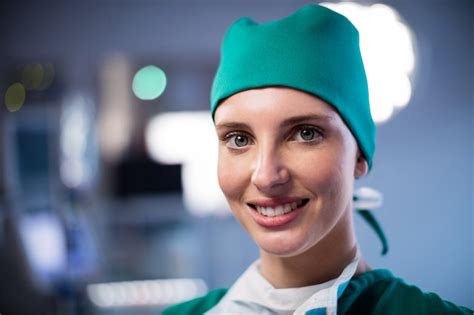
(361, 166)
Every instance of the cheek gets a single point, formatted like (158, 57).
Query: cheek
(231, 176)
(329, 174)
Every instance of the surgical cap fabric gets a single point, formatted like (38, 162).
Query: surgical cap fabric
(315, 50)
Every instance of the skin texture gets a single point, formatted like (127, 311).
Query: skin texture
(275, 143)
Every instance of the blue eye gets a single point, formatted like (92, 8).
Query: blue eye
(307, 134)
(237, 141)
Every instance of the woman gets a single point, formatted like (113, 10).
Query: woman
(291, 111)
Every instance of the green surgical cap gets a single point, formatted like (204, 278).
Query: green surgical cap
(315, 50)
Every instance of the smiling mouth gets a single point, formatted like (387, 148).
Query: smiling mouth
(280, 209)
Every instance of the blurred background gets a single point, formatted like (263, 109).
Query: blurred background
(108, 193)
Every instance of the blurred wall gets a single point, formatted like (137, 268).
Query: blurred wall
(424, 158)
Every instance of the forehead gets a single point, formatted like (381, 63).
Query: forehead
(273, 104)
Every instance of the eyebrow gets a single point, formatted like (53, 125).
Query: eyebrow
(287, 122)
(232, 125)
(302, 118)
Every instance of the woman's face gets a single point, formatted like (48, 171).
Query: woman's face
(287, 163)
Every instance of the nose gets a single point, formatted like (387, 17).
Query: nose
(270, 172)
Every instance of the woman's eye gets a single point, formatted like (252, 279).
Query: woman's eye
(307, 134)
(237, 141)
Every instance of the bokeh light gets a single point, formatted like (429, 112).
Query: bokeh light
(145, 293)
(32, 76)
(149, 83)
(387, 47)
(47, 77)
(116, 114)
(44, 240)
(77, 165)
(15, 97)
(189, 138)
(36, 76)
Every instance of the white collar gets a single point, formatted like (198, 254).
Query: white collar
(253, 294)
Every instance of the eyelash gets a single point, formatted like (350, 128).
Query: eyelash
(318, 133)
(231, 135)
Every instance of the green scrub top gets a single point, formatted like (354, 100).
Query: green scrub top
(376, 292)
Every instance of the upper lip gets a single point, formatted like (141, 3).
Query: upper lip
(273, 202)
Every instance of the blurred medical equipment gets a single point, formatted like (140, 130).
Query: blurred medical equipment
(56, 249)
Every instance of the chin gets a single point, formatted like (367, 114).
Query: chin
(281, 245)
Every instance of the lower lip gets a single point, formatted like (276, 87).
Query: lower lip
(276, 221)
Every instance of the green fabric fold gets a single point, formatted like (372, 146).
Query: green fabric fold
(368, 216)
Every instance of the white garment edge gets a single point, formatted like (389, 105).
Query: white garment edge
(253, 294)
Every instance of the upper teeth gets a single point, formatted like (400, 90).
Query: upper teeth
(279, 210)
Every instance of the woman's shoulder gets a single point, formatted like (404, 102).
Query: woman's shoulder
(380, 292)
(198, 305)
(374, 292)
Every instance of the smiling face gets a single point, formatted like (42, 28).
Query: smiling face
(287, 164)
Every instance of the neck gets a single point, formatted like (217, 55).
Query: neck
(323, 262)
